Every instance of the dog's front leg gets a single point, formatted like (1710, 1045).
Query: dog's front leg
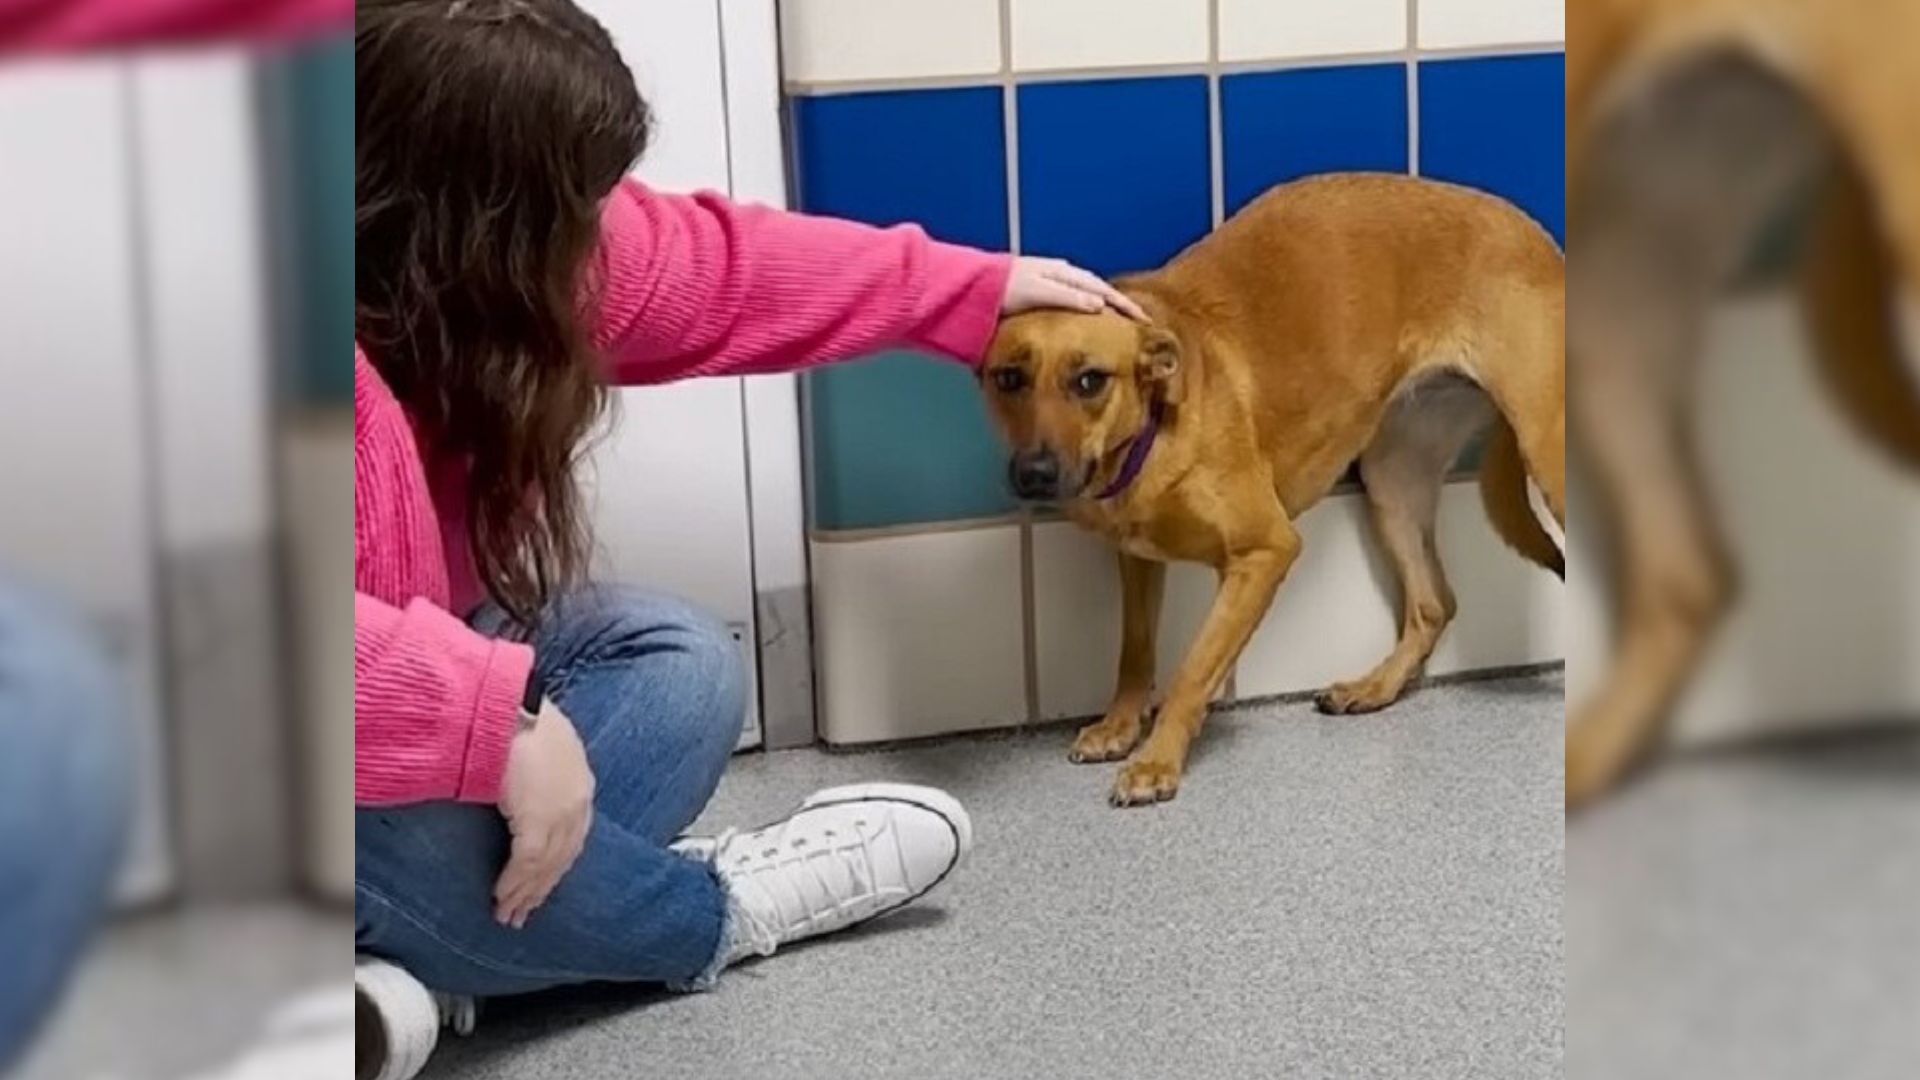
(1142, 583)
(1247, 586)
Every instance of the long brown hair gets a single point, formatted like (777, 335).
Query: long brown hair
(488, 133)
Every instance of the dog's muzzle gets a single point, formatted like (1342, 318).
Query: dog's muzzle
(1035, 475)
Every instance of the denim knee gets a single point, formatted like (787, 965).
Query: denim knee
(64, 810)
(624, 620)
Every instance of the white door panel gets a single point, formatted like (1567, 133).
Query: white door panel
(670, 481)
(73, 428)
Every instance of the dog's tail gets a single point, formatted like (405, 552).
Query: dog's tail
(1851, 295)
(1503, 490)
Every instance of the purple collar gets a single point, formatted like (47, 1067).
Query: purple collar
(1137, 450)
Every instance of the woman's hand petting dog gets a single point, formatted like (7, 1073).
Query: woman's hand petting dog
(1055, 283)
(548, 803)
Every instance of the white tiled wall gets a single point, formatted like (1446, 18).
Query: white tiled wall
(1337, 615)
(1077, 608)
(851, 40)
(1270, 30)
(832, 41)
(919, 635)
(1101, 33)
(1448, 24)
(907, 650)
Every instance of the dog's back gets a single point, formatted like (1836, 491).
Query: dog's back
(1333, 294)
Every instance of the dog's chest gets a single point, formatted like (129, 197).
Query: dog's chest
(1142, 546)
(1139, 539)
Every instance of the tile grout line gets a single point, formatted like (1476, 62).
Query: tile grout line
(1217, 170)
(1216, 138)
(1010, 126)
(1413, 87)
(828, 88)
(1029, 618)
(1010, 132)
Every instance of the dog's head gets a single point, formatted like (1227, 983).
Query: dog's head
(1069, 390)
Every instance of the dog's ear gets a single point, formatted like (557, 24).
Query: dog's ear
(1161, 364)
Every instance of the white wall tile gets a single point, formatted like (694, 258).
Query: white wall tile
(1332, 619)
(847, 40)
(1077, 614)
(1336, 618)
(1282, 29)
(919, 635)
(1447, 24)
(1107, 33)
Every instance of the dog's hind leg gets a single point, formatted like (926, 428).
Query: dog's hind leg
(1403, 470)
(1636, 350)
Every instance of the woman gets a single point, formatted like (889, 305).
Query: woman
(506, 272)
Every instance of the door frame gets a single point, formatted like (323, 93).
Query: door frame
(770, 404)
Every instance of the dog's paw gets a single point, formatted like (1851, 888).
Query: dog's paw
(1107, 740)
(1602, 749)
(1360, 696)
(1142, 781)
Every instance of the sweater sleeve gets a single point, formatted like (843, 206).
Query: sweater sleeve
(435, 705)
(54, 26)
(696, 285)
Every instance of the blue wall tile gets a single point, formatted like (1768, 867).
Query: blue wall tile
(1499, 124)
(1280, 126)
(904, 439)
(901, 439)
(1114, 172)
(936, 157)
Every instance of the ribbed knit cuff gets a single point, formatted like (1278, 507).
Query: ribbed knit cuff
(496, 719)
(974, 314)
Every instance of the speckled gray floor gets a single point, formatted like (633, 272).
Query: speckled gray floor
(1328, 897)
(1752, 915)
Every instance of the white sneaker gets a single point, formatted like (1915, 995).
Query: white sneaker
(849, 854)
(405, 1019)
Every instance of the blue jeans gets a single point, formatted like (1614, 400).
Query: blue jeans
(657, 691)
(65, 770)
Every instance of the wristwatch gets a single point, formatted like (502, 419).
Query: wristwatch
(530, 704)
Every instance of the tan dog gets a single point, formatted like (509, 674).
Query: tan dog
(1693, 126)
(1374, 318)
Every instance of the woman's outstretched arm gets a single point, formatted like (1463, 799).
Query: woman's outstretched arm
(698, 285)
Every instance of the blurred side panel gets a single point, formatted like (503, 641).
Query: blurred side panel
(199, 219)
(77, 508)
(306, 124)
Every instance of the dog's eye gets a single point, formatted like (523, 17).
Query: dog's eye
(1009, 380)
(1090, 382)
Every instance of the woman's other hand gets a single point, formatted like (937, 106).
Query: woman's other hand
(1055, 283)
(547, 799)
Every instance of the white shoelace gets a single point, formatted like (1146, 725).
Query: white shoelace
(754, 862)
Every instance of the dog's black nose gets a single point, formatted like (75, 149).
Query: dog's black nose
(1035, 474)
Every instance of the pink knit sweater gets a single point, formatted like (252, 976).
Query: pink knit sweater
(51, 26)
(693, 286)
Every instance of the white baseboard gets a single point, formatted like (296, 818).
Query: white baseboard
(923, 634)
